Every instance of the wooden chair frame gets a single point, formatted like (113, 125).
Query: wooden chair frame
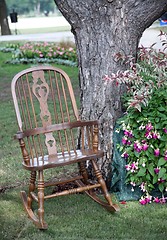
(31, 85)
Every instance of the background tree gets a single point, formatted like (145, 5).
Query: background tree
(31, 6)
(5, 30)
(104, 30)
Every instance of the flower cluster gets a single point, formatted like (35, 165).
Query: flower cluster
(46, 50)
(144, 126)
(148, 199)
(145, 152)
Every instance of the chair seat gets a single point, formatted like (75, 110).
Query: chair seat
(49, 161)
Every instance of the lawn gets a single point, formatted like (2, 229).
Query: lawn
(72, 217)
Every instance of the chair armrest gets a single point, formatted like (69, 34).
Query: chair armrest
(54, 127)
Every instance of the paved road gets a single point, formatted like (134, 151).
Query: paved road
(149, 37)
(47, 37)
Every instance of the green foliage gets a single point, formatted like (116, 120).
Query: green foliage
(144, 144)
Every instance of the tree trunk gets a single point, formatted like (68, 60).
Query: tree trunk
(37, 8)
(5, 30)
(104, 30)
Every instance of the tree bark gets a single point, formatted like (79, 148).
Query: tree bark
(5, 30)
(104, 29)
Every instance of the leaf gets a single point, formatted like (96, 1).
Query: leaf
(148, 178)
(161, 187)
(161, 172)
(136, 154)
(151, 169)
(164, 138)
(141, 172)
(163, 116)
(161, 109)
(151, 186)
(155, 179)
(161, 162)
(157, 120)
(148, 154)
(158, 125)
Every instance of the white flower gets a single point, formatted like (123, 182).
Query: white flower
(141, 127)
(133, 184)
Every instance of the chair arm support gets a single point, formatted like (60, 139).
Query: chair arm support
(54, 127)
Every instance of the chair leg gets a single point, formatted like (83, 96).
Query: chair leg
(102, 182)
(109, 205)
(42, 224)
(83, 172)
(31, 189)
(27, 201)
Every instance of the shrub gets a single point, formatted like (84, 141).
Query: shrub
(144, 124)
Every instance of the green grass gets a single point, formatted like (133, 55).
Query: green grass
(78, 217)
(75, 217)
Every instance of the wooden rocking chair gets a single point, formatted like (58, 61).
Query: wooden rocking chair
(49, 124)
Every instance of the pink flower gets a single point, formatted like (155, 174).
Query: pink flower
(148, 199)
(165, 130)
(156, 152)
(124, 141)
(134, 166)
(143, 201)
(128, 167)
(155, 135)
(163, 200)
(128, 142)
(156, 170)
(149, 127)
(125, 155)
(148, 135)
(145, 146)
(41, 55)
(156, 200)
(128, 133)
(161, 180)
(143, 187)
(137, 146)
(165, 156)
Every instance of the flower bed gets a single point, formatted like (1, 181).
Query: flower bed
(41, 53)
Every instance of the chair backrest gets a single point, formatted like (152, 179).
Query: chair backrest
(43, 96)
